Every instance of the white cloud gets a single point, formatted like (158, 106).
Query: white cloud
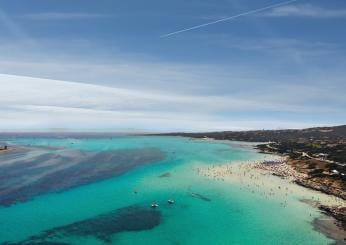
(27, 102)
(27, 92)
(306, 10)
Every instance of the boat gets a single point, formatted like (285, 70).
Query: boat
(170, 201)
(154, 205)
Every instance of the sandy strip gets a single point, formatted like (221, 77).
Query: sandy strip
(259, 176)
(273, 178)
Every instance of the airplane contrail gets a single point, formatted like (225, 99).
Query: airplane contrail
(230, 18)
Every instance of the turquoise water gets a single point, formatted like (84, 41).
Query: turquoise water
(226, 213)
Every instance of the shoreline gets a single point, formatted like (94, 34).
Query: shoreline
(273, 177)
(286, 170)
(273, 165)
(333, 225)
(304, 180)
(283, 166)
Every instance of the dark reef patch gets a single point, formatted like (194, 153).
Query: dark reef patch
(165, 175)
(40, 172)
(200, 196)
(102, 227)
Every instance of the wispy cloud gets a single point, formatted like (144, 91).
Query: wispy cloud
(23, 91)
(305, 10)
(44, 103)
(62, 16)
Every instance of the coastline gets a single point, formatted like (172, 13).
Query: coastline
(273, 177)
(272, 169)
(284, 167)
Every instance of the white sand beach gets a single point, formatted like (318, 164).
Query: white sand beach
(267, 179)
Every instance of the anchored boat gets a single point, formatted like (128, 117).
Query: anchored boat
(154, 205)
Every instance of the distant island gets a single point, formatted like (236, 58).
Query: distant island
(318, 154)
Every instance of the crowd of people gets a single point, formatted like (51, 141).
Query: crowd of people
(253, 177)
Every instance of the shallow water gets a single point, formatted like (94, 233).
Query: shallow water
(91, 209)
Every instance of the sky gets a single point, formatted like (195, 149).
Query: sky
(159, 66)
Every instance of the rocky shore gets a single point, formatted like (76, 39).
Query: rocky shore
(305, 182)
(339, 213)
(314, 158)
(285, 169)
(318, 154)
(295, 170)
(255, 176)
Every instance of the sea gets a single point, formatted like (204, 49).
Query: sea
(99, 189)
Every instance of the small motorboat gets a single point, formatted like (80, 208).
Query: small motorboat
(154, 205)
(170, 201)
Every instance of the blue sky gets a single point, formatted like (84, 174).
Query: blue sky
(104, 65)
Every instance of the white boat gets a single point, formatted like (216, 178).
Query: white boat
(170, 201)
(154, 205)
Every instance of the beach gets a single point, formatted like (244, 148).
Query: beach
(273, 178)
